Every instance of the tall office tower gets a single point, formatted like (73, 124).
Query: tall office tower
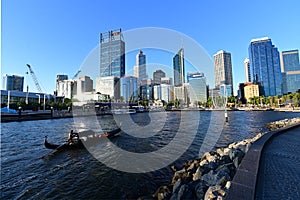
(112, 54)
(223, 69)
(140, 66)
(247, 69)
(128, 88)
(290, 68)
(178, 65)
(157, 75)
(13, 82)
(265, 66)
(60, 77)
(198, 90)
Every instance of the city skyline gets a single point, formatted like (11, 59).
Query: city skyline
(30, 37)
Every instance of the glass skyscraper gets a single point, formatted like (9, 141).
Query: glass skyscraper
(198, 89)
(290, 69)
(112, 54)
(140, 67)
(128, 88)
(178, 65)
(265, 66)
(13, 82)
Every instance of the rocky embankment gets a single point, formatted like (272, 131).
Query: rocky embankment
(210, 176)
(282, 123)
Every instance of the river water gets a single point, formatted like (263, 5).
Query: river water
(77, 174)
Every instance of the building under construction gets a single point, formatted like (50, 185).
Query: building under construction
(112, 54)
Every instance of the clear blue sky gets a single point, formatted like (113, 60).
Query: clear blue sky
(55, 36)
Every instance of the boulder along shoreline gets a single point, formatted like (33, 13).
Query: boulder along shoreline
(210, 176)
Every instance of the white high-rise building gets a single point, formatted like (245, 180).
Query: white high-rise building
(66, 88)
(84, 84)
(247, 70)
(223, 69)
(109, 85)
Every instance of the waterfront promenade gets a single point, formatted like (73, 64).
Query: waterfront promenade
(279, 168)
(271, 168)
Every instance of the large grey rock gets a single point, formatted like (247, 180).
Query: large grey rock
(236, 153)
(185, 192)
(228, 169)
(214, 192)
(224, 160)
(200, 189)
(213, 177)
(177, 186)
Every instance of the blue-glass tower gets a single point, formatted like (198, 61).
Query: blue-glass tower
(290, 68)
(178, 65)
(265, 66)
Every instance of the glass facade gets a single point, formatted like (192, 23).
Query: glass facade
(265, 66)
(112, 54)
(128, 88)
(290, 60)
(291, 70)
(178, 65)
(13, 82)
(140, 71)
(198, 90)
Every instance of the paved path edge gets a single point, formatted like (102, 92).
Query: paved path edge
(244, 182)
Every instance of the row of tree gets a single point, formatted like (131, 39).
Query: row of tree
(292, 99)
(67, 104)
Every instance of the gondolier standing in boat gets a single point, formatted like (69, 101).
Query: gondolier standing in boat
(71, 136)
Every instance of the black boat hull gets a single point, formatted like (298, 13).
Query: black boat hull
(89, 137)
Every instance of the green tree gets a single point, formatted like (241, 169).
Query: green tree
(231, 99)
(209, 102)
(176, 103)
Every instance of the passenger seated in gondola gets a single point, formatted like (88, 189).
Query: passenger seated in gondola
(73, 138)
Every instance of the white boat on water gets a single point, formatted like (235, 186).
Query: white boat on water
(123, 111)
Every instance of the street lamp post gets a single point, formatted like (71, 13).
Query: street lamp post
(39, 100)
(44, 102)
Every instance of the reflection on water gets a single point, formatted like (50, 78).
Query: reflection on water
(77, 174)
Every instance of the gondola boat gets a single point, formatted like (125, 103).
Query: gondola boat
(87, 137)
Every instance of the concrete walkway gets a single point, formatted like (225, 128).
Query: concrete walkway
(279, 168)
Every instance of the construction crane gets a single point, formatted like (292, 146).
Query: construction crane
(75, 76)
(35, 80)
